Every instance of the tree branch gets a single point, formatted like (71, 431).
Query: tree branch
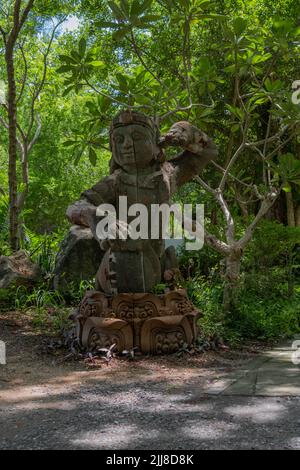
(25, 14)
(264, 208)
(24, 79)
(42, 82)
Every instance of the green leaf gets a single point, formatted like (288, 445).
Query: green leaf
(235, 111)
(276, 85)
(97, 63)
(229, 68)
(78, 155)
(65, 69)
(145, 5)
(289, 168)
(136, 8)
(257, 59)
(120, 34)
(122, 80)
(67, 90)
(82, 47)
(239, 25)
(68, 59)
(92, 156)
(142, 99)
(235, 128)
(149, 18)
(106, 24)
(116, 10)
(76, 56)
(287, 188)
(69, 143)
(125, 7)
(204, 64)
(184, 3)
(211, 16)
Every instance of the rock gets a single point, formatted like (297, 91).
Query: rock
(18, 270)
(79, 259)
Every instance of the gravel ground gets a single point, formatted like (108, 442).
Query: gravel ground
(152, 403)
(149, 416)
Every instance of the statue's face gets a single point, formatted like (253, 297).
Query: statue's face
(133, 146)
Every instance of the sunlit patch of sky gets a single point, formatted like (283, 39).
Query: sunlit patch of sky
(72, 23)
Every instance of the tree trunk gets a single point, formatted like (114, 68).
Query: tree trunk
(25, 178)
(12, 149)
(290, 209)
(298, 216)
(232, 277)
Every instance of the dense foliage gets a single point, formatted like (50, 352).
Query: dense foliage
(228, 67)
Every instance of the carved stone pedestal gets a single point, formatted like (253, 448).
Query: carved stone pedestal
(155, 324)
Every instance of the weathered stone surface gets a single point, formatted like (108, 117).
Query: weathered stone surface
(155, 324)
(79, 258)
(18, 270)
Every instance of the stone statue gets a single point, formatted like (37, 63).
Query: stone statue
(131, 268)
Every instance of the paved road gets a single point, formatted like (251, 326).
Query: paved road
(254, 408)
(275, 373)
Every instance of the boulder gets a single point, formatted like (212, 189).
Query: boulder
(79, 259)
(18, 270)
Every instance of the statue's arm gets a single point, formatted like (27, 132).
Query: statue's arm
(198, 151)
(83, 211)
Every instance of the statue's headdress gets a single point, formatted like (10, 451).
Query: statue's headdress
(127, 117)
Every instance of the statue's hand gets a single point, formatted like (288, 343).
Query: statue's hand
(183, 134)
(81, 213)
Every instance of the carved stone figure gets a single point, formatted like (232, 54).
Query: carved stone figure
(123, 310)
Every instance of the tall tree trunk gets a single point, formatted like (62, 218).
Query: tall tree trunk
(290, 209)
(12, 132)
(297, 213)
(19, 19)
(232, 277)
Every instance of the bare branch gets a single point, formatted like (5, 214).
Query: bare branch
(269, 139)
(283, 144)
(230, 230)
(217, 193)
(231, 163)
(36, 134)
(219, 167)
(205, 185)
(216, 244)
(266, 204)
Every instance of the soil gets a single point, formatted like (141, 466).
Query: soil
(146, 403)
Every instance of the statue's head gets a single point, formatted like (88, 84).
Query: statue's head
(134, 141)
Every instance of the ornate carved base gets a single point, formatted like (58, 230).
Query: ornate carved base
(155, 324)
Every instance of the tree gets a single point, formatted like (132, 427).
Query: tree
(23, 133)
(10, 38)
(247, 103)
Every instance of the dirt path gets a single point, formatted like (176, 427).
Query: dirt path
(151, 403)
